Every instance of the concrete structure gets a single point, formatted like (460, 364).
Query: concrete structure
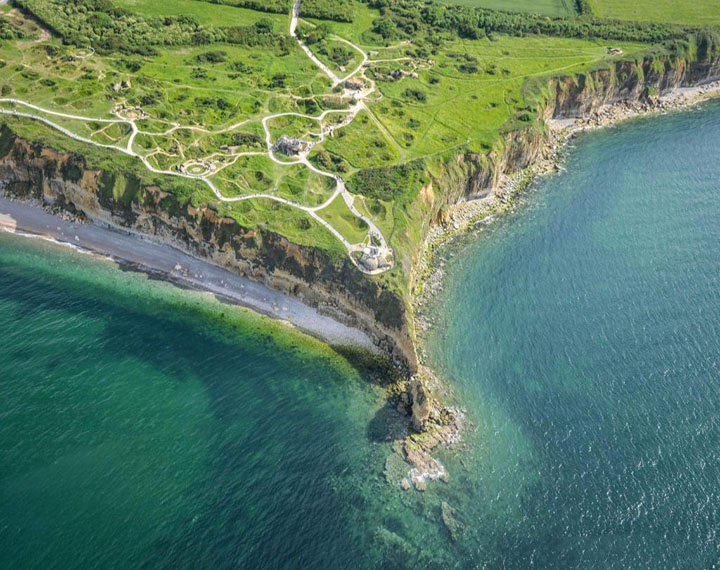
(289, 146)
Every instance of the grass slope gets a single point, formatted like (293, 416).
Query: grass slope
(433, 102)
(697, 12)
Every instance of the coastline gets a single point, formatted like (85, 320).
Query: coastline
(424, 399)
(462, 217)
(143, 255)
(135, 252)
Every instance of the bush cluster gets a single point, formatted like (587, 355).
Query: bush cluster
(109, 29)
(410, 18)
(8, 31)
(269, 6)
(261, 33)
(336, 10)
(388, 182)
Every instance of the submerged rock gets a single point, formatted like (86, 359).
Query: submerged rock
(452, 525)
(425, 467)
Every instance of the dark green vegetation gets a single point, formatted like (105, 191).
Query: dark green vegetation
(338, 10)
(549, 7)
(99, 23)
(271, 6)
(388, 183)
(410, 18)
(109, 28)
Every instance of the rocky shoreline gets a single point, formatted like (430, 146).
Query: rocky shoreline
(431, 424)
(447, 423)
(463, 216)
(422, 416)
(421, 424)
(147, 256)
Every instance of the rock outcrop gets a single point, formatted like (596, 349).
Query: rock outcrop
(421, 405)
(579, 95)
(449, 519)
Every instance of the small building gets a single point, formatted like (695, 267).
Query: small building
(289, 146)
(614, 51)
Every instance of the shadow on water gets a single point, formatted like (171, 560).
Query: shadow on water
(274, 494)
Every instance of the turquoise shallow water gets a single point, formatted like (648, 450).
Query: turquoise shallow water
(144, 426)
(147, 426)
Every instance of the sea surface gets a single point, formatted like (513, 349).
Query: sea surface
(147, 426)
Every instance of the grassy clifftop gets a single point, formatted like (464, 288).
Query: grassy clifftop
(210, 83)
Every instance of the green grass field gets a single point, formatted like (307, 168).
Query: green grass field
(698, 12)
(549, 7)
(465, 98)
(206, 104)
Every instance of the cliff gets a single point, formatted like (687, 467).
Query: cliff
(63, 181)
(647, 78)
(473, 176)
(333, 285)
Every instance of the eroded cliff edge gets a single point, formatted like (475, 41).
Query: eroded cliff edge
(644, 78)
(64, 182)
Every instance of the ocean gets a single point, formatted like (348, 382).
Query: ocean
(148, 426)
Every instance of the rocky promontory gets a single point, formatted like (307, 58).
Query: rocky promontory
(468, 188)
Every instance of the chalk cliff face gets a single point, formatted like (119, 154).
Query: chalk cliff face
(335, 286)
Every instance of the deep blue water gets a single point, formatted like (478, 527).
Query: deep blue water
(143, 426)
(583, 330)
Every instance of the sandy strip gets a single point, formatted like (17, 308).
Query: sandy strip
(7, 223)
(174, 265)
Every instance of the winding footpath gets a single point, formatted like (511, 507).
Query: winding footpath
(375, 250)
